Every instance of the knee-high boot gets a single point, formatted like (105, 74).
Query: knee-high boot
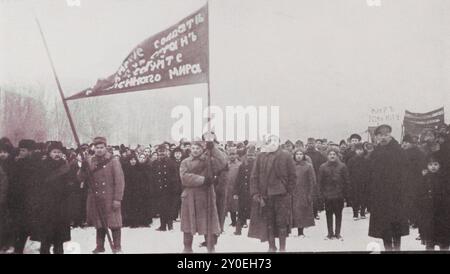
(188, 238)
(282, 236)
(100, 238)
(272, 245)
(117, 239)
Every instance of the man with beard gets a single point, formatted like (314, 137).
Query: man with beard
(350, 152)
(388, 219)
(164, 172)
(241, 191)
(272, 183)
(317, 159)
(105, 194)
(54, 188)
(22, 194)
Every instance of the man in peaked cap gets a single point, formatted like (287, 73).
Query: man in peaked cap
(105, 196)
(388, 218)
(164, 174)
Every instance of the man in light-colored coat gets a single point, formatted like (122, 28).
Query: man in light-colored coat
(106, 189)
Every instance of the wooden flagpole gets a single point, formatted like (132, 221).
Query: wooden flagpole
(74, 132)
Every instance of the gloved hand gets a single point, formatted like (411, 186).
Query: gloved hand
(235, 197)
(208, 181)
(257, 198)
(209, 145)
(116, 205)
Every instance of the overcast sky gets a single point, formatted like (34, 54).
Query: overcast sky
(324, 62)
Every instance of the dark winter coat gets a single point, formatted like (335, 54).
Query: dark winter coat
(302, 205)
(3, 191)
(387, 191)
(107, 186)
(23, 195)
(333, 180)
(415, 163)
(164, 178)
(77, 196)
(136, 209)
(273, 175)
(198, 202)
(433, 198)
(242, 189)
(231, 180)
(359, 176)
(54, 221)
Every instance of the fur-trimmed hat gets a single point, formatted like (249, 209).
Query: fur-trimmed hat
(6, 147)
(356, 136)
(161, 148)
(332, 149)
(28, 144)
(382, 127)
(99, 140)
(55, 145)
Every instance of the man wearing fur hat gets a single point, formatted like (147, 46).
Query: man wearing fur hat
(104, 194)
(272, 183)
(54, 188)
(163, 172)
(350, 152)
(388, 219)
(22, 194)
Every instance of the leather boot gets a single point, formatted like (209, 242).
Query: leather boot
(117, 238)
(188, 238)
(282, 236)
(100, 237)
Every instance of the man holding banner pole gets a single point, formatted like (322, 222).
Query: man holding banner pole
(104, 195)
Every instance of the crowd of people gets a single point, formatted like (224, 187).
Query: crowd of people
(46, 188)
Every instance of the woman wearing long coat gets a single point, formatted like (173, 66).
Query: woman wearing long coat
(198, 199)
(54, 221)
(136, 194)
(302, 211)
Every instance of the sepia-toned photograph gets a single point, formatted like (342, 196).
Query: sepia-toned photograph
(225, 127)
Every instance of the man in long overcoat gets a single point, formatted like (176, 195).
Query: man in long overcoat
(22, 194)
(388, 216)
(272, 183)
(54, 188)
(198, 174)
(104, 195)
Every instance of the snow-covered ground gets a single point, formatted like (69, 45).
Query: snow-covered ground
(148, 240)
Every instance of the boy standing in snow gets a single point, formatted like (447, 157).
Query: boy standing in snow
(433, 204)
(333, 184)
